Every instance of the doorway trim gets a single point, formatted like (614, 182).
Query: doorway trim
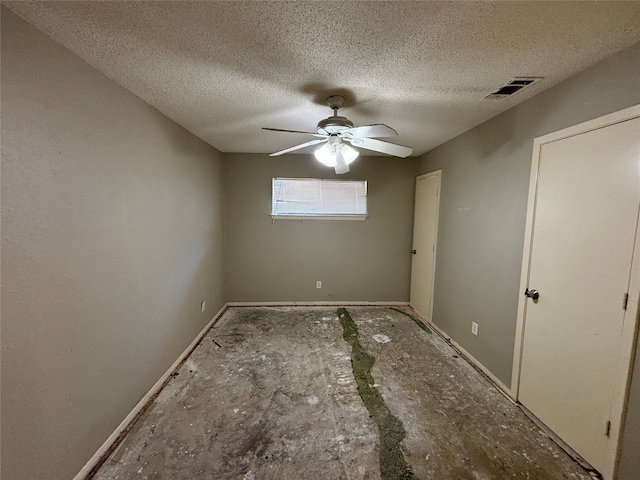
(630, 325)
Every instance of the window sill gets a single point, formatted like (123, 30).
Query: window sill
(319, 217)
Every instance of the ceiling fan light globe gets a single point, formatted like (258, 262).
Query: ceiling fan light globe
(349, 154)
(325, 155)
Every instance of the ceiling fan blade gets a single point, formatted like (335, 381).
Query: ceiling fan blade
(292, 131)
(380, 146)
(373, 131)
(298, 147)
(341, 165)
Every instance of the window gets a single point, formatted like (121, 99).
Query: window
(313, 198)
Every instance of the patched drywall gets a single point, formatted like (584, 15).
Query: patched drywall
(281, 260)
(483, 205)
(111, 238)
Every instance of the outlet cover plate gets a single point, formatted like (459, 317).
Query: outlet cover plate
(474, 328)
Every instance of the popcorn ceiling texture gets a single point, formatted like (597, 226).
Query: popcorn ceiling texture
(225, 69)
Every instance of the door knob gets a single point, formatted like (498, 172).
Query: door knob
(533, 293)
(413, 251)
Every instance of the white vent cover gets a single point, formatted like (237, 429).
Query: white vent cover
(513, 86)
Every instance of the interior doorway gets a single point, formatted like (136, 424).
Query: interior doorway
(425, 236)
(580, 278)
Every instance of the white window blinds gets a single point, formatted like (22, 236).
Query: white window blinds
(316, 198)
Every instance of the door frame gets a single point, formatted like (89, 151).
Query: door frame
(438, 174)
(630, 322)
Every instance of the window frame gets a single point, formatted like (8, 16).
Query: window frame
(319, 216)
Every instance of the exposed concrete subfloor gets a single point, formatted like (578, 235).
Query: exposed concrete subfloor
(270, 394)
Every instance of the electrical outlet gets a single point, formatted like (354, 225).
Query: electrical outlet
(474, 328)
(319, 284)
(203, 305)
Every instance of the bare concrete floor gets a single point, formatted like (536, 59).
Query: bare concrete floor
(270, 394)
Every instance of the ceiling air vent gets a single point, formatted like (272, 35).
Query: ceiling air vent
(513, 86)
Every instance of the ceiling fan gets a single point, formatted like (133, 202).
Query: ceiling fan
(337, 132)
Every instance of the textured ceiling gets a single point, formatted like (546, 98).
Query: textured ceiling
(225, 69)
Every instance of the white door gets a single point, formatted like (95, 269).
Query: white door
(584, 227)
(425, 233)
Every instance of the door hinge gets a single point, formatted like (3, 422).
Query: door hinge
(625, 300)
(608, 429)
(437, 191)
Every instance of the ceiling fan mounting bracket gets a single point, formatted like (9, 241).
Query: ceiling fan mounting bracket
(335, 101)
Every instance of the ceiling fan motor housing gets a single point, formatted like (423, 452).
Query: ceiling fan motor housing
(334, 124)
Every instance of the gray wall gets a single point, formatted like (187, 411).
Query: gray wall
(485, 177)
(111, 238)
(356, 260)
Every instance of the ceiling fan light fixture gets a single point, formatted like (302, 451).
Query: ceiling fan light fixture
(325, 155)
(349, 154)
(328, 152)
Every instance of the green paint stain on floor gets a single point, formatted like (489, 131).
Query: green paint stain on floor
(419, 322)
(392, 463)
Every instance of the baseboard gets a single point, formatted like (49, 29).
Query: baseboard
(114, 439)
(506, 391)
(317, 304)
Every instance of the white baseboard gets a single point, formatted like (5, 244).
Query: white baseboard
(317, 304)
(506, 391)
(127, 423)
